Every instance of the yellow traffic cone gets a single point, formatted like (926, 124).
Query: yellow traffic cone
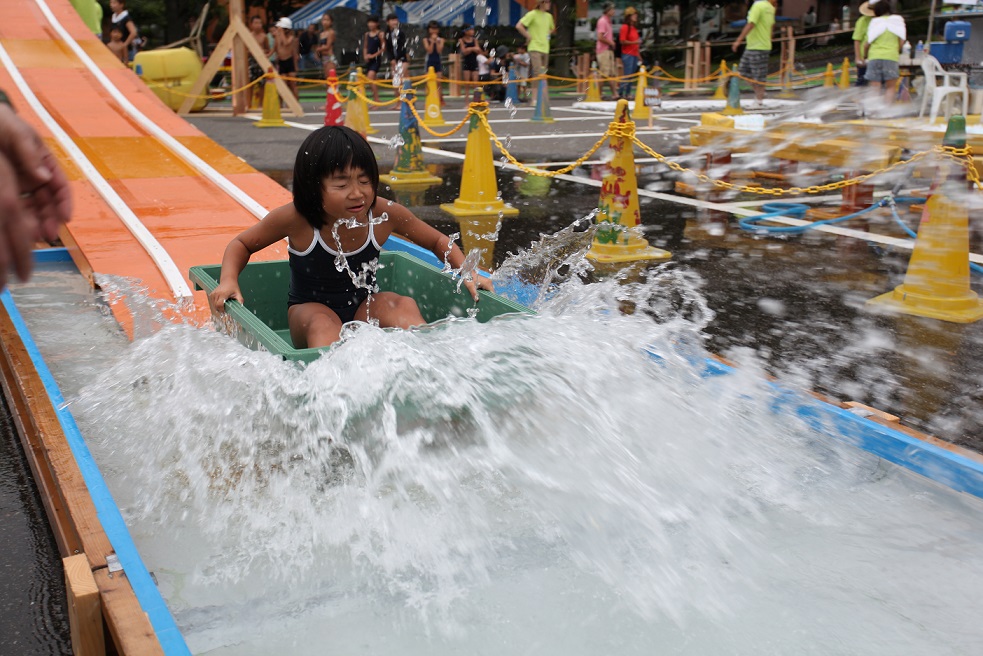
(845, 75)
(479, 188)
(357, 112)
(593, 92)
(641, 110)
(618, 216)
(936, 284)
(721, 92)
(409, 172)
(433, 115)
(271, 107)
(829, 79)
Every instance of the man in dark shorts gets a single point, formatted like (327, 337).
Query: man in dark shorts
(287, 52)
(754, 61)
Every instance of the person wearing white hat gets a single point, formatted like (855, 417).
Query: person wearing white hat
(859, 36)
(287, 51)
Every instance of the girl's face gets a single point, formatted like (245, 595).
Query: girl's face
(347, 194)
(373, 26)
(327, 21)
(115, 6)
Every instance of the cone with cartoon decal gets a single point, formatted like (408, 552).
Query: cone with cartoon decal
(618, 217)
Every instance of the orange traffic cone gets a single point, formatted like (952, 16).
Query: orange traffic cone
(332, 104)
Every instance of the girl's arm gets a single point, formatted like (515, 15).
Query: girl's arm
(274, 227)
(406, 223)
(330, 44)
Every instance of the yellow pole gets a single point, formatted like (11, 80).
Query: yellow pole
(640, 110)
(618, 216)
(829, 80)
(433, 115)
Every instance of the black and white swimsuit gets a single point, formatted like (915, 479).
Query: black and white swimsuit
(314, 277)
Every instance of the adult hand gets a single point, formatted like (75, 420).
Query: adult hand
(34, 195)
(734, 46)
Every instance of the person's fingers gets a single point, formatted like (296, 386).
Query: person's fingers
(52, 204)
(21, 231)
(10, 210)
(24, 149)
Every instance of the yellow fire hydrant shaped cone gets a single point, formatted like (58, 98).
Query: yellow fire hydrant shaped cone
(936, 284)
(432, 113)
(641, 110)
(829, 79)
(618, 216)
(271, 107)
(479, 188)
(593, 92)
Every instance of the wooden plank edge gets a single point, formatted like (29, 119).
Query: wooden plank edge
(84, 607)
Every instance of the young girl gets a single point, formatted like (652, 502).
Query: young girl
(886, 35)
(372, 52)
(469, 49)
(434, 44)
(325, 46)
(335, 211)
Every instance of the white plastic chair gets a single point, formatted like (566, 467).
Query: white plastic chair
(952, 83)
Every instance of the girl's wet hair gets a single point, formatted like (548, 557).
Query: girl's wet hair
(324, 152)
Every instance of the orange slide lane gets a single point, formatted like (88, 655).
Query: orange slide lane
(191, 217)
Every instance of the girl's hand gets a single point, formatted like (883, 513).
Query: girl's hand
(223, 293)
(478, 282)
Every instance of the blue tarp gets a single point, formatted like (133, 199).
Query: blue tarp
(312, 12)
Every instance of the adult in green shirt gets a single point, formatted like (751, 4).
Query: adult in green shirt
(886, 35)
(537, 26)
(859, 37)
(757, 31)
(91, 13)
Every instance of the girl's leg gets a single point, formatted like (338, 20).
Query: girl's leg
(391, 310)
(313, 325)
(375, 88)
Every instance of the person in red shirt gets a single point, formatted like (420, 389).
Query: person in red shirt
(630, 53)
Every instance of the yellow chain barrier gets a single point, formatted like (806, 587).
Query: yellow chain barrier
(961, 156)
(420, 123)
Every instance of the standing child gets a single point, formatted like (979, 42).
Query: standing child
(434, 44)
(522, 62)
(372, 53)
(115, 44)
(325, 44)
(335, 211)
(468, 48)
(396, 47)
(886, 36)
(287, 52)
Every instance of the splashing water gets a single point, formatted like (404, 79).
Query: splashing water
(396, 141)
(537, 484)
